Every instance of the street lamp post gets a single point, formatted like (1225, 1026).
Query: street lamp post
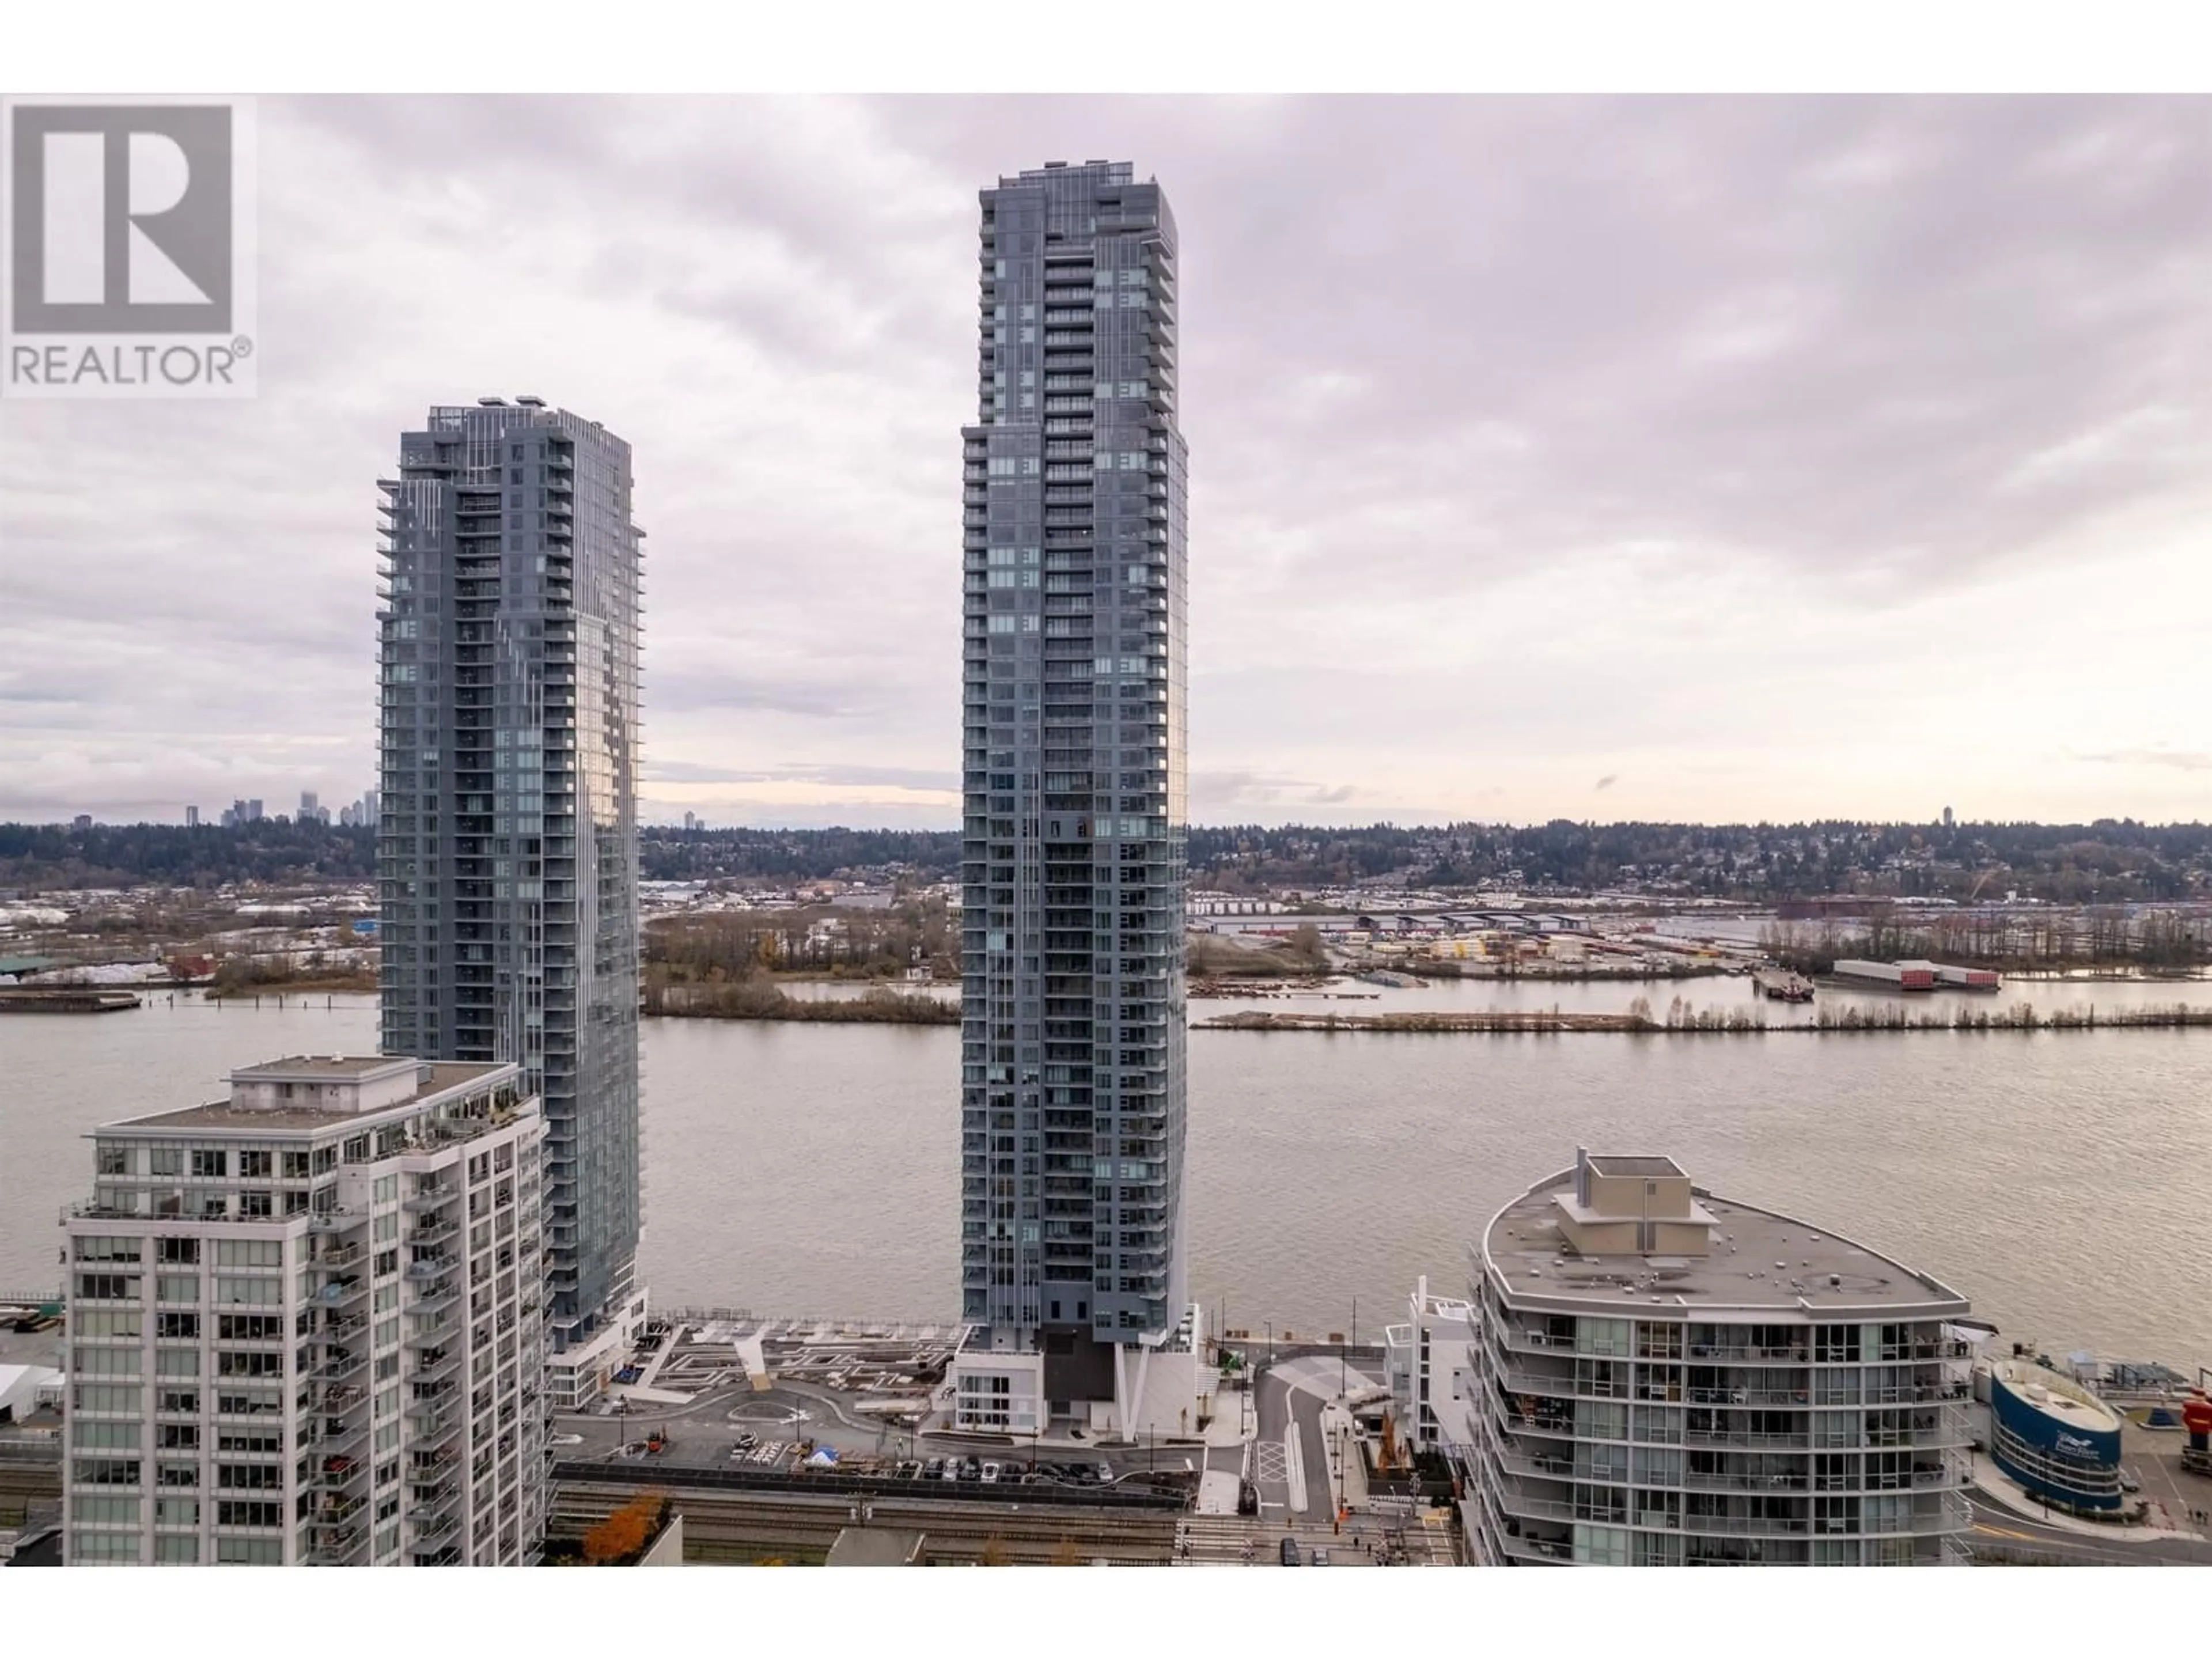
(1336, 1513)
(1343, 1363)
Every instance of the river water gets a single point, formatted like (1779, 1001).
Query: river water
(2061, 1181)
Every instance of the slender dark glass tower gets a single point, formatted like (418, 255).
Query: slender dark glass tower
(1073, 860)
(507, 847)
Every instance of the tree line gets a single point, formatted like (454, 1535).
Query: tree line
(2111, 861)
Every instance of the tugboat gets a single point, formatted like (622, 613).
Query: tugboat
(1778, 985)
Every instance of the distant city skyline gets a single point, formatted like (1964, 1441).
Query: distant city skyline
(1662, 458)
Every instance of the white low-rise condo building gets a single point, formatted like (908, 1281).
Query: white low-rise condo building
(306, 1324)
(1669, 1377)
(1430, 1364)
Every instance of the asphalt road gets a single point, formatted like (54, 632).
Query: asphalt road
(1283, 1407)
(1997, 1527)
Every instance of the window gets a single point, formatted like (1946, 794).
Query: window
(98, 1249)
(172, 1252)
(186, 1400)
(250, 1552)
(90, 1547)
(176, 1436)
(165, 1161)
(211, 1166)
(250, 1477)
(104, 1362)
(173, 1550)
(173, 1287)
(240, 1512)
(250, 1253)
(257, 1166)
(113, 1161)
(177, 1326)
(104, 1437)
(105, 1472)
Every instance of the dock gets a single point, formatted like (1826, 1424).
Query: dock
(65, 999)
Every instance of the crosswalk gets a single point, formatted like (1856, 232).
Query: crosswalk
(1218, 1540)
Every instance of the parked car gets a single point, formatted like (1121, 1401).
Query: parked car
(565, 1440)
(1105, 1474)
(1290, 1551)
(972, 1469)
(990, 1473)
(932, 1469)
(1319, 1558)
(951, 1468)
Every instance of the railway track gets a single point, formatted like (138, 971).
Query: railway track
(736, 1526)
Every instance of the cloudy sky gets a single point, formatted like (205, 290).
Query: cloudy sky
(1601, 459)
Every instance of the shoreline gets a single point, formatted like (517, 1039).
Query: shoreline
(1714, 1022)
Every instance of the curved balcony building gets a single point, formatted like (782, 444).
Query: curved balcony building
(1668, 1377)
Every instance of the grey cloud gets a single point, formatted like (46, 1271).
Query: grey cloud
(1234, 789)
(1609, 781)
(2184, 760)
(1456, 359)
(895, 777)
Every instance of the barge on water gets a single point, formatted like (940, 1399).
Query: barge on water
(1918, 975)
(1889, 975)
(65, 999)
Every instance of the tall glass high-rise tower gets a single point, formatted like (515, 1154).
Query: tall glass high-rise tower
(1073, 860)
(507, 852)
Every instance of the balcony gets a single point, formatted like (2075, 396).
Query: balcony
(339, 1547)
(424, 1199)
(342, 1400)
(340, 1473)
(1565, 1387)
(430, 1267)
(337, 1365)
(336, 1220)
